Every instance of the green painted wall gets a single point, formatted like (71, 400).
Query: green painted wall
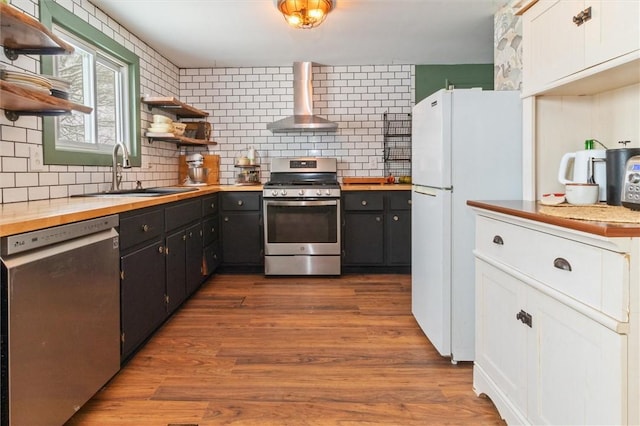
(431, 78)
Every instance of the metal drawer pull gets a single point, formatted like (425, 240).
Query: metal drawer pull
(226, 218)
(363, 202)
(562, 263)
(525, 318)
(582, 17)
(378, 219)
(145, 228)
(396, 218)
(240, 202)
(213, 206)
(160, 249)
(498, 240)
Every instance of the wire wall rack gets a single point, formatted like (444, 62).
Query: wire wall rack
(397, 144)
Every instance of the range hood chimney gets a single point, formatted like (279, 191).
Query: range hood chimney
(302, 119)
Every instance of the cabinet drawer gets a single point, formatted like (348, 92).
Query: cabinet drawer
(182, 213)
(210, 205)
(210, 230)
(141, 227)
(363, 201)
(240, 201)
(591, 275)
(400, 200)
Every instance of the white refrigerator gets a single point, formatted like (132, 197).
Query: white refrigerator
(466, 144)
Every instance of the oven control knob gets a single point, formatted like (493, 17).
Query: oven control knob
(301, 192)
(327, 192)
(318, 192)
(283, 192)
(274, 193)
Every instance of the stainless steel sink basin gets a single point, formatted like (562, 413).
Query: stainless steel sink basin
(144, 192)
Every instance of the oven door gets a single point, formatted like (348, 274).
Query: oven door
(302, 227)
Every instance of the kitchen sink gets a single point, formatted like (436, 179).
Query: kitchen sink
(142, 192)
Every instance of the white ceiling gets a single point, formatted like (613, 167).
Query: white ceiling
(238, 33)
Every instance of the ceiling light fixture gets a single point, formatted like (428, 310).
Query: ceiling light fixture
(305, 14)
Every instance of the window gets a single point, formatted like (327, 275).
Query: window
(105, 76)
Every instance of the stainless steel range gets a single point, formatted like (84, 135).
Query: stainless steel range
(302, 217)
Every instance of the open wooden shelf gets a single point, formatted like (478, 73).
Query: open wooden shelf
(17, 100)
(174, 106)
(179, 140)
(22, 34)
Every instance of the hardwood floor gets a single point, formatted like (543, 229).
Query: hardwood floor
(254, 350)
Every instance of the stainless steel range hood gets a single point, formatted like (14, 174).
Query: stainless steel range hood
(302, 119)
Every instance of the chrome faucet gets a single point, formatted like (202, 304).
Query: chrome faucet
(116, 176)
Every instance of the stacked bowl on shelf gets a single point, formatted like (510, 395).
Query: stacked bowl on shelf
(163, 124)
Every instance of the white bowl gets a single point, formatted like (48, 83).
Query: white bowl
(157, 118)
(581, 194)
(161, 128)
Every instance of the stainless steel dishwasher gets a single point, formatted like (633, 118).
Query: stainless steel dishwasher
(60, 319)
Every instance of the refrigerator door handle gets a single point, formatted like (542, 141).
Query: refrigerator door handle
(425, 191)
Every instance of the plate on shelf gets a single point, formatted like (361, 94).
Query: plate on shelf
(159, 135)
(30, 86)
(19, 77)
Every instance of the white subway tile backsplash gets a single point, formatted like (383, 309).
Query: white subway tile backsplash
(39, 193)
(14, 164)
(14, 195)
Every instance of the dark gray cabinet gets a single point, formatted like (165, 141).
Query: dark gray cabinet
(376, 230)
(161, 265)
(183, 247)
(241, 228)
(363, 230)
(398, 227)
(210, 234)
(142, 276)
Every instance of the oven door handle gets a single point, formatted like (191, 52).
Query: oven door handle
(303, 203)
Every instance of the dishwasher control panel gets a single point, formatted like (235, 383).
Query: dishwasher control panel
(43, 237)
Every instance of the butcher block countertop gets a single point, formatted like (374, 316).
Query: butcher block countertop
(16, 218)
(531, 210)
(376, 187)
(29, 216)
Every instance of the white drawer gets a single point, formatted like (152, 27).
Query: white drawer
(591, 275)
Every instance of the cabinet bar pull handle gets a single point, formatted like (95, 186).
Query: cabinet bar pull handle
(562, 263)
(525, 318)
(582, 17)
(498, 240)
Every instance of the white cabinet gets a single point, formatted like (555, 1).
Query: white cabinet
(545, 353)
(564, 37)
